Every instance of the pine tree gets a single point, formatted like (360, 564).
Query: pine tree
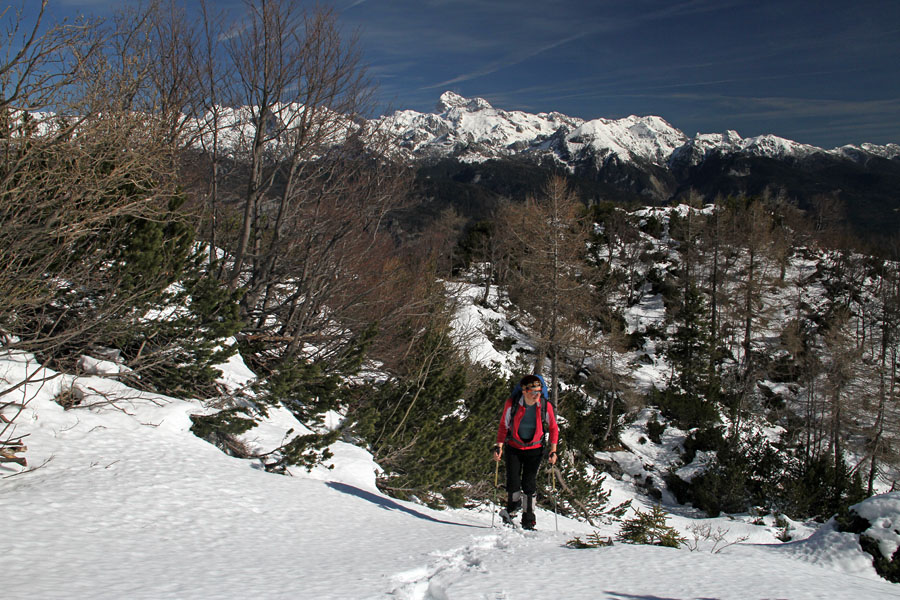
(650, 528)
(687, 397)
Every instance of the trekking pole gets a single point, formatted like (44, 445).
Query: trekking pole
(493, 508)
(553, 484)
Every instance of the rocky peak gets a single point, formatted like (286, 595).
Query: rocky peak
(450, 100)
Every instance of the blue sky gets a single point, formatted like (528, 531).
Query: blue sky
(821, 72)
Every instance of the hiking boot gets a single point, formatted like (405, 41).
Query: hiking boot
(528, 520)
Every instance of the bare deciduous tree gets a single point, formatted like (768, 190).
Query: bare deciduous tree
(552, 280)
(314, 183)
(82, 166)
(78, 163)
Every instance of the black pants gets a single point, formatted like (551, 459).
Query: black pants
(521, 470)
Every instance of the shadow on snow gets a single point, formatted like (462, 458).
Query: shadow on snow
(389, 504)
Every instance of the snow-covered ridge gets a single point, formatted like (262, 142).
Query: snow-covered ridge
(473, 130)
(889, 151)
(648, 138)
(703, 145)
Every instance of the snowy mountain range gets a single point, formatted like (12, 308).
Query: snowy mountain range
(474, 131)
(470, 149)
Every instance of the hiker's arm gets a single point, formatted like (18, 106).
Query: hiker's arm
(501, 429)
(554, 434)
(554, 427)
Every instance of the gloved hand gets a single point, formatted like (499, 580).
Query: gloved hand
(497, 452)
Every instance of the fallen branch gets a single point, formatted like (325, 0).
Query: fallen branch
(9, 449)
(9, 456)
(32, 470)
(581, 507)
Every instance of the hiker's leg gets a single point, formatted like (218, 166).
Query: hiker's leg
(531, 460)
(513, 480)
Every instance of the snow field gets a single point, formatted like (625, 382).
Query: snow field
(121, 500)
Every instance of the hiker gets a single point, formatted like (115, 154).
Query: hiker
(527, 416)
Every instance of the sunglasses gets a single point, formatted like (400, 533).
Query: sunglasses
(533, 389)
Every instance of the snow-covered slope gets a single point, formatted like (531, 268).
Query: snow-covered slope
(633, 138)
(122, 501)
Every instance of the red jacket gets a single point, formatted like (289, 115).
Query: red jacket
(508, 432)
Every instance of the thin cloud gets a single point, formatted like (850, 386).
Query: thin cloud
(234, 30)
(88, 3)
(788, 107)
(842, 121)
(692, 7)
(506, 63)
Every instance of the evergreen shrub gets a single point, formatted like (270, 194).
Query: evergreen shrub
(816, 488)
(582, 432)
(305, 451)
(655, 429)
(222, 428)
(635, 340)
(739, 476)
(186, 341)
(652, 226)
(685, 409)
(888, 568)
(432, 429)
(593, 540)
(703, 439)
(650, 528)
(302, 387)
